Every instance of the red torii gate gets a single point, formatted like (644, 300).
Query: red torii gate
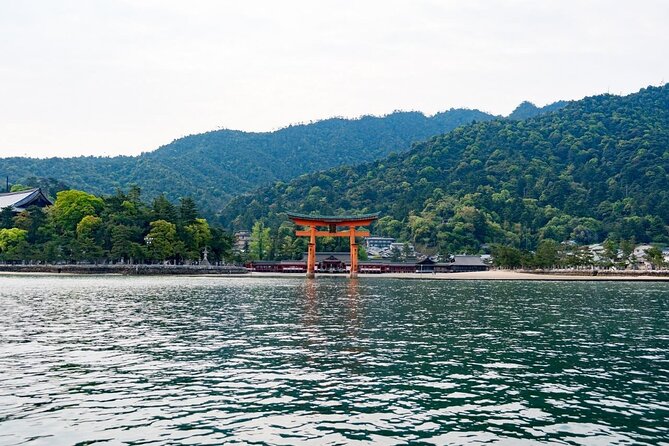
(331, 222)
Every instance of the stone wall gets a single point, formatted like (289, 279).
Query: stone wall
(124, 269)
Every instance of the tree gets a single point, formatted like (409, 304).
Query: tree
(198, 237)
(161, 241)
(362, 252)
(627, 248)
(187, 211)
(655, 257)
(610, 250)
(123, 244)
(6, 218)
(33, 220)
(73, 205)
(221, 244)
(88, 242)
(260, 241)
(547, 254)
(13, 244)
(286, 247)
(163, 209)
(18, 188)
(506, 256)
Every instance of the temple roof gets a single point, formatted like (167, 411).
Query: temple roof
(334, 219)
(18, 201)
(330, 256)
(465, 260)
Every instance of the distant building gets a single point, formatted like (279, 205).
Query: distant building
(19, 201)
(400, 247)
(340, 262)
(463, 263)
(242, 240)
(333, 262)
(427, 265)
(640, 252)
(598, 252)
(378, 243)
(641, 256)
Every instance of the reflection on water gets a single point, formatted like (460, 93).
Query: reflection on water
(331, 361)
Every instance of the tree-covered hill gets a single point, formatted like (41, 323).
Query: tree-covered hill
(527, 109)
(597, 168)
(214, 166)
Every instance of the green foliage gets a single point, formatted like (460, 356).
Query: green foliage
(18, 188)
(547, 254)
(73, 205)
(198, 236)
(260, 244)
(655, 257)
(528, 110)
(162, 240)
(215, 166)
(13, 244)
(81, 227)
(187, 211)
(594, 169)
(6, 218)
(362, 253)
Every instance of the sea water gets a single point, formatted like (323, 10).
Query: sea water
(215, 360)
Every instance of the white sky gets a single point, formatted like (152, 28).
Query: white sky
(125, 76)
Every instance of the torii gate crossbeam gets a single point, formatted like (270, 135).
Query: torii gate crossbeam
(312, 222)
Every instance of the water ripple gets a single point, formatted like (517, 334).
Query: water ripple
(125, 360)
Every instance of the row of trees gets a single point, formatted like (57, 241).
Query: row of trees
(81, 227)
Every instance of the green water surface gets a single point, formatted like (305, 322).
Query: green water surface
(174, 360)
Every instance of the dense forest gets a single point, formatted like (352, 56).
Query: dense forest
(212, 167)
(595, 169)
(81, 227)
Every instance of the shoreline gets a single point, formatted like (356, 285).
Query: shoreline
(125, 270)
(499, 275)
(228, 271)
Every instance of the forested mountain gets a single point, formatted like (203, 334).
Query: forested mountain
(596, 168)
(213, 166)
(527, 109)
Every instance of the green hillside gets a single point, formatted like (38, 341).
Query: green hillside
(214, 166)
(527, 110)
(597, 168)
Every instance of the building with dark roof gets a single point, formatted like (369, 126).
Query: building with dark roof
(463, 263)
(340, 262)
(19, 201)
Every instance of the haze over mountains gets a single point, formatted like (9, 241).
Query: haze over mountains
(215, 166)
(596, 168)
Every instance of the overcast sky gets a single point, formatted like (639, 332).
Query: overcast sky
(126, 76)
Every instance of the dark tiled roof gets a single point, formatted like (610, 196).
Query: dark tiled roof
(320, 256)
(468, 261)
(21, 200)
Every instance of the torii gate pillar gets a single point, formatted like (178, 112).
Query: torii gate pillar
(311, 253)
(313, 221)
(354, 253)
